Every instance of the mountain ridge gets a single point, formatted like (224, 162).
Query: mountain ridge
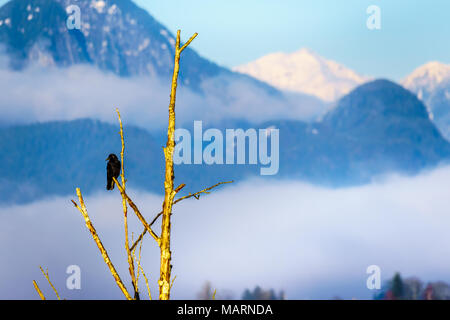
(391, 132)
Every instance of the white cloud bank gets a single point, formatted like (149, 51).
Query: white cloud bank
(310, 241)
(43, 94)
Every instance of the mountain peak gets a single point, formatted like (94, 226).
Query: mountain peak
(380, 104)
(433, 69)
(304, 71)
(427, 78)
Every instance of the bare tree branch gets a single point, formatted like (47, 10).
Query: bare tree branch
(125, 213)
(48, 279)
(138, 213)
(188, 42)
(41, 295)
(197, 194)
(173, 280)
(146, 282)
(90, 226)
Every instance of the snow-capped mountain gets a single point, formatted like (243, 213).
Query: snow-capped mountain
(306, 72)
(431, 84)
(115, 35)
(119, 37)
(427, 78)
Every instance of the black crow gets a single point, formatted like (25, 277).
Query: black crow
(112, 170)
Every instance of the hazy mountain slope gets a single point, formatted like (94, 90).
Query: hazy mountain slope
(35, 30)
(55, 157)
(378, 128)
(389, 123)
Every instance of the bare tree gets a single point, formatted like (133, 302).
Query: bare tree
(165, 281)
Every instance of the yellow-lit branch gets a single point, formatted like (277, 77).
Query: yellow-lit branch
(51, 284)
(187, 43)
(90, 226)
(41, 295)
(169, 192)
(140, 269)
(197, 194)
(146, 282)
(125, 214)
(137, 212)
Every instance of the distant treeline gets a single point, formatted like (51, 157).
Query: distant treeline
(413, 288)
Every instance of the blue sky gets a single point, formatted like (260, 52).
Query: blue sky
(233, 32)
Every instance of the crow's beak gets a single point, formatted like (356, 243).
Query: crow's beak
(107, 159)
